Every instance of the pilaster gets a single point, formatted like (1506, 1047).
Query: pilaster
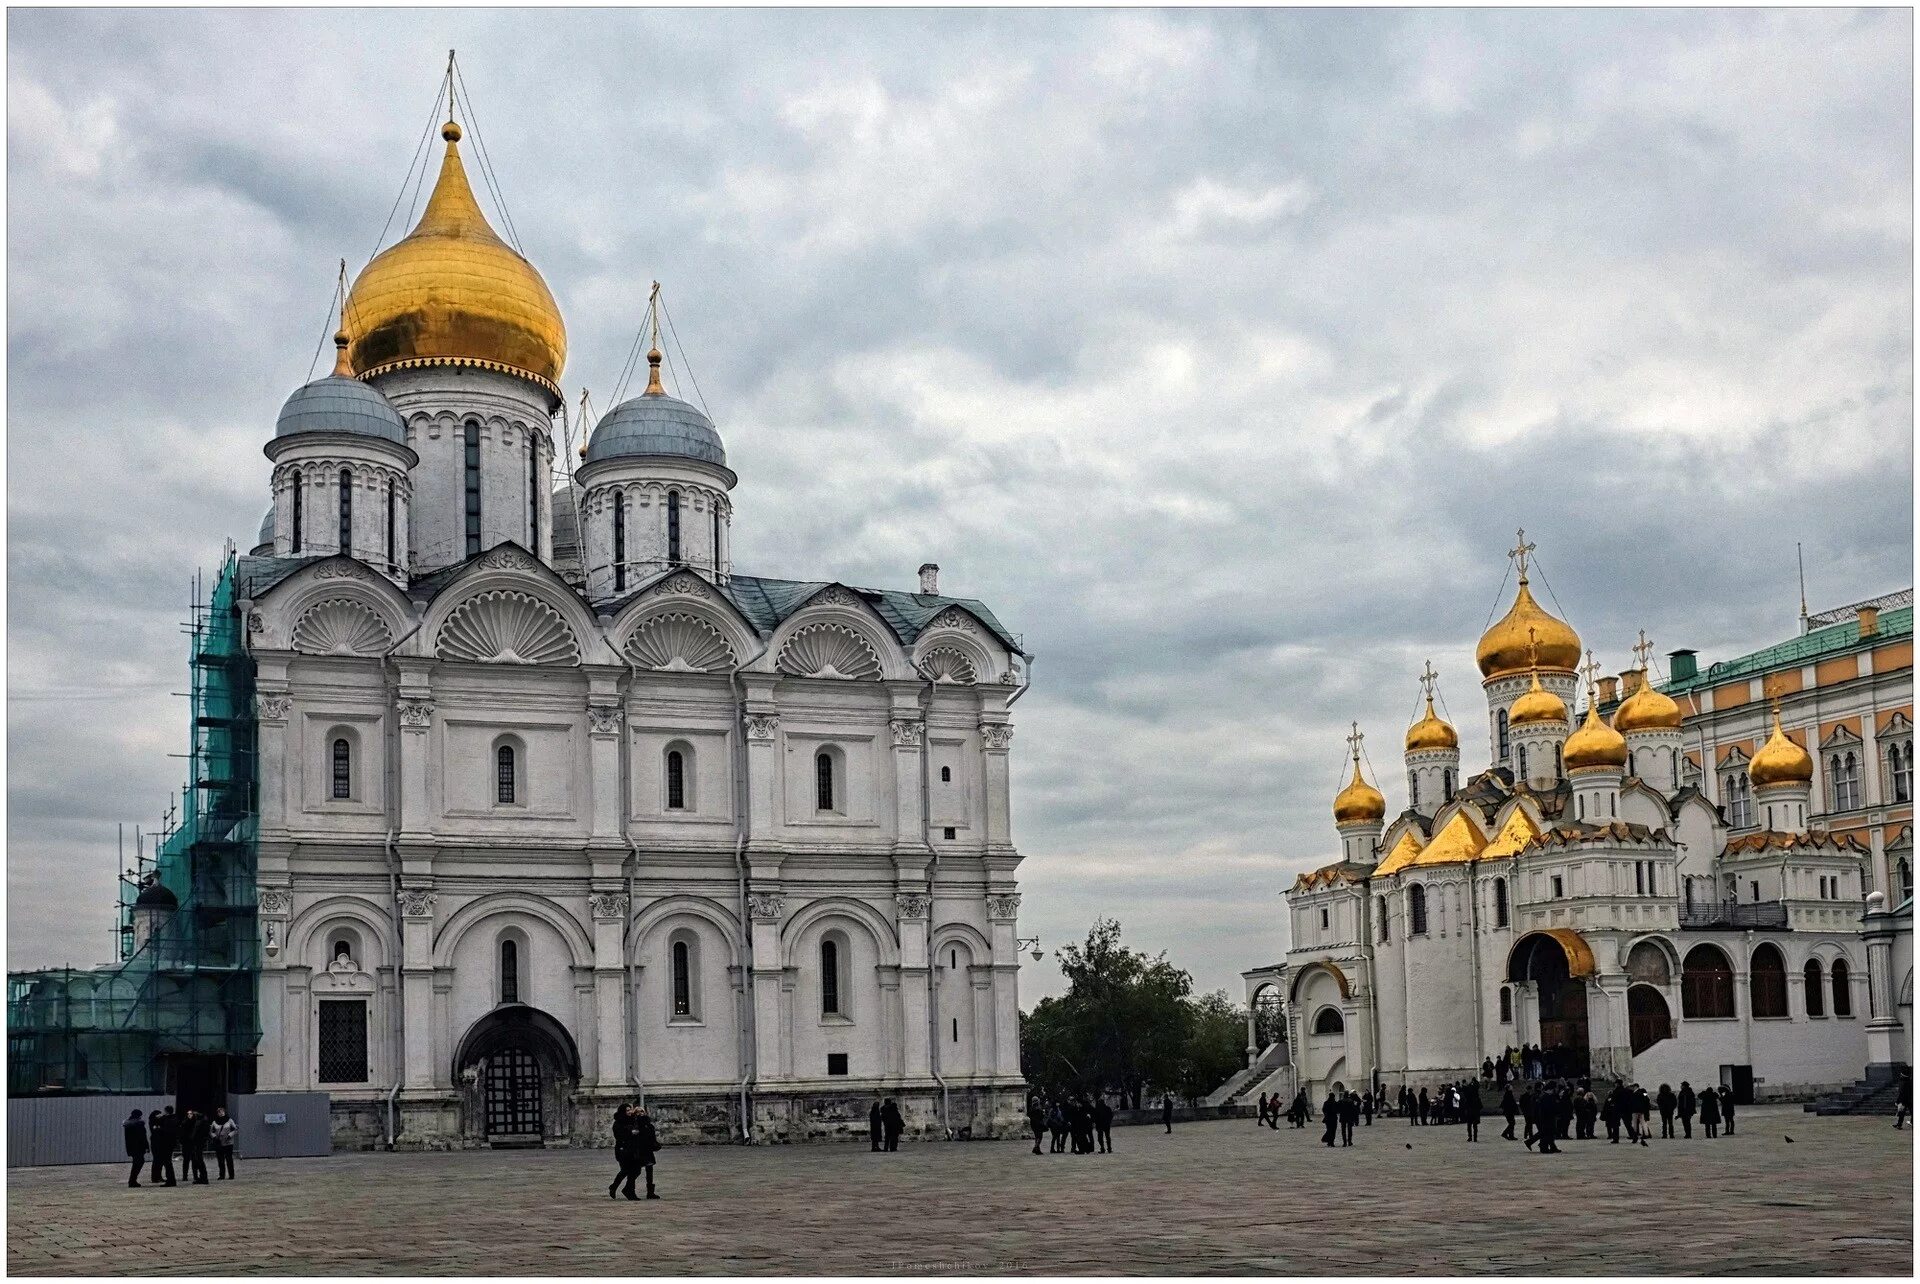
(767, 908)
(416, 953)
(609, 912)
(1003, 909)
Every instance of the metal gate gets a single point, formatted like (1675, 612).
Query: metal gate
(513, 1094)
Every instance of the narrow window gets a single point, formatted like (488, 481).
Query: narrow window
(342, 769)
(829, 979)
(1323, 918)
(472, 467)
(1386, 930)
(953, 960)
(619, 543)
(1904, 872)
(509, 972)
(673, 527)
(1639, 879)
(946, 775)
(1446, 783)
(1522, 771)
(1559, 887)
(1499, 902)
(1413, 790)
(1506, 1005)
(298, 518)
(504, 790)
(393, 559)
(1842, 990)
(682, 981)
(676, 781)
(956, 1029)
(1505, 742)
(716, 539)
(346, 511)
(1417, 910)
(823, 781)
(533, 494)
(1816, 989)
(1900, 758)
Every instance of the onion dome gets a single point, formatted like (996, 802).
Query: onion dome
(1781, 761)
(1359, 801)
(655, 424)
(1431, 732)
(340, 403)
(1647, 710)
(453, 293)
(1536, 704)
(1594, 744)
(156, 897)
(266, 531)
(1503, 649)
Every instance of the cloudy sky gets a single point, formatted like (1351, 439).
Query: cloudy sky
(1220, 352)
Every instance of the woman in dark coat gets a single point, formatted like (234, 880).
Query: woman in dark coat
(1710, 1112)
(623, 1148)
(1510, 1108)
(1330, 1115)
(890, 1123)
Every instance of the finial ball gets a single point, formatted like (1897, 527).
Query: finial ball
(450, 132)
(339, 338)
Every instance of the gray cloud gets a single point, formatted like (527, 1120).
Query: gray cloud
(1221, 352)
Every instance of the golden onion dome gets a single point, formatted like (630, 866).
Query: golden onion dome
(1594, 744)
(1536, 704)
(1431, 732)
(453, 293)
(1647, 710)
(1781, 761)
(1503, 649)
(1358, 801)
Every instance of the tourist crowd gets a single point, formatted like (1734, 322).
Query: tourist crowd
(190, 1136)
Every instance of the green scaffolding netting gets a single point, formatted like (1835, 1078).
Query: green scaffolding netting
(183, 997)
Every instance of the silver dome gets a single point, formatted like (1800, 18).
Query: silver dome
(339, 404)
(656, 425)
(266, 531)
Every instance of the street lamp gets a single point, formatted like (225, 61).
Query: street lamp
(1033, 943)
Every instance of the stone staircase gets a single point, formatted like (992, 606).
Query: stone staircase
(1862, 1097)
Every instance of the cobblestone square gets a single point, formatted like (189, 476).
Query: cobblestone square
(1215, 1198)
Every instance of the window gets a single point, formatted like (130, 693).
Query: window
(1756, 890)
(1505, 742)
(1738, 792)
(1446, 783)
(1816, 989)
(1559, 887)
(346, 511)
(342, 769)
(1904, 873)
(823, 781)
(1639, 878)
(619, 543)
(471, 463)
(1521, 772)
(673, 527)
(1413, 790)
(950, 832)
(1506, 1005)
(509, 971)
(393, 558)
(1499, 902)
(1328, 1021)
(1558, 771)
(1900, 772)
(1323, 918)
(1416, 910)
(682, 980)
(504, 779)
(533, 494)
(298, 491)
(1767, 982)
(1706, 983)
(716, 538)
(829, 978)
(343, 1041)
(676, 780)
(836, 1063)
(1842, 990)
(1843, 785)
(946, 775)
(1386, 929)
(956, 1029)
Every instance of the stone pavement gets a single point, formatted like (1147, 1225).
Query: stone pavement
(1214, 1198)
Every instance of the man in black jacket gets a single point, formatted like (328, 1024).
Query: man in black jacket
(646, 1145)
(623, 1131)
(1668, 1103)
(193, 1147)
(136, 1134)
(891, 1124)
(1470, 1109)
(1103, 1123)
(1510, 1108)
(1726, 1110)
(1166, 1110)
(873, 1125)
(1349, 1116)
(1688, 1103)
(1036, 1120)
(161, 1128)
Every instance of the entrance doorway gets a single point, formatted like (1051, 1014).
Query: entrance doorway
(513, 1093)
(1558, 970)
(1648, 1020)
(518, 1069)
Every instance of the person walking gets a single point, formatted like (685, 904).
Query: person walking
(891, 1126)
(1668, 1104)
(1103, 1122)
(1726, 1109)
(1166, 1110)
(160, 1126)
(1302, 1109)
(1057, 1128)
(1262, 1117)
(1424, 1108)
(1036, 1120)
(135, 1129)
(225, 1135)
(1529, 1100)
(1902, 1103)
(1349, 1116)
(1686, 1105)
(1710, 1112)
(646, 1148)
(1643, 1113)
(1330, 1116)
(1510, 1108)
(1470, 1110)
(193, 1143)
(625, 1132)
(1550, 1110)
(873, 1124)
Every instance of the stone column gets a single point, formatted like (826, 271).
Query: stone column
(414, 708)
(912, 909)
(767, 908)
(1883, 1024)
(273, 709)
(1003, 910)
(298, 1014)
(276, 906)
(1609, 1046)
(605, 718)
(609, 912)
(763, 758)
(985, 1038)
(416, 970)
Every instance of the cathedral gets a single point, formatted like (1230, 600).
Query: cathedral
(556, 807)
(1580, 894)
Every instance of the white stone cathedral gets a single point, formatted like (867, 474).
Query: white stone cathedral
(557, 809)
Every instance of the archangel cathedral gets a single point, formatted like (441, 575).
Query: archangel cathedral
(558, 807)
(1584, 895)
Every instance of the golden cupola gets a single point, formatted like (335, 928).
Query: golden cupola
(1647, 710)
(453, 293)
(1359, 801)
(1503, 650)
(1536, 705)
(1781, 761)
(1431, 732)
(1594, 743)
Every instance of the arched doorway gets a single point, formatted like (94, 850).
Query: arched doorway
(1269, 1022)
(1557, 962)
(517, 1068)
(1648, 1018)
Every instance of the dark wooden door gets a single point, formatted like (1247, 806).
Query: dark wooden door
(513, 1094)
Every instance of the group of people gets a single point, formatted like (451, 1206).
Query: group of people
(189, 1135)
(1527, 1062)
(634, 1146)
(1554, 1110)
(1082, 1122)
(885, 1124)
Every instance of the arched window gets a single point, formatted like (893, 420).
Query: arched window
(1843, 781)
(1521, 770)
(619, 542)
(1328, 1021)
(346, 511)
(1413, 790)
(509, 971)
(506, 781)
(1416, 910)
(1903, 872)
(1499, 902)
(823, 780)
(470, 459)
(1842, 989)
(1558, 770)
(946, 775)
(1816, 987)
(1506, 1005)
(1505, 741)
(1706, 983)
(716, 539)
(1386, 921)
(676, 780)
(1767, 982)
(673, 527)
(1900, 772)
(682, 980)
(1446, 783)
(533, 495)
(829, 977)
(299, 521)
(393, 558)
(342, 768)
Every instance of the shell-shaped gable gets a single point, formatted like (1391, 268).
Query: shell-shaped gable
(677, 642)
(341, 626)
(828, 650)
(950, 664)
(505, 626)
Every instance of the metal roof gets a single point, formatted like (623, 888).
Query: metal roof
(655, 425)
(1834, 639)
(340, 404)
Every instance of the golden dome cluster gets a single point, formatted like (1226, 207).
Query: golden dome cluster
(1505, 649)
(453, 293)
(1595, 744)
(1359, 801)
(1431, 732)
(1781, 761)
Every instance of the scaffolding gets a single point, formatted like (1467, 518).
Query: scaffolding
(178, 1013)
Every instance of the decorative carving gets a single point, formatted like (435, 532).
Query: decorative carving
(766, 907)
(508, 627)
(339, 626)
(416, 713)
(273, 708)
(680, 643)
(417, 904)
(953, 618)
(1009, 679)
(826, 650)
(275, 901)
(271, 937)
(945, 664)
(996, 735)
(912, 905)
(686, 583)
(256, 623)
(1004, 905)
(608, 904)
(340, 571)
(906, 731)
(506, 559)
(763, 726)
(836, 596)
(605, 719)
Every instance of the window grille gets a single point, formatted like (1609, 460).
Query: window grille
(343, 1041)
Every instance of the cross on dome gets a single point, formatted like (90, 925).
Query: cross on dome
(1520, 551)
(1429, 680)
(1353, 743)
(1590, 670)
(1643, 649)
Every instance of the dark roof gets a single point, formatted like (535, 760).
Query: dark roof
(255, 575)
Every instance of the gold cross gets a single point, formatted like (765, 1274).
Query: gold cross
(1643, 649)
(1520, 550)
(1353, 743)
(1590, 668)
(1428, 681)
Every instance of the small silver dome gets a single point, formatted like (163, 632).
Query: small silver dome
(566, 521)
(156, 896)
(266, 530)
(656, 425)
(339, 404)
